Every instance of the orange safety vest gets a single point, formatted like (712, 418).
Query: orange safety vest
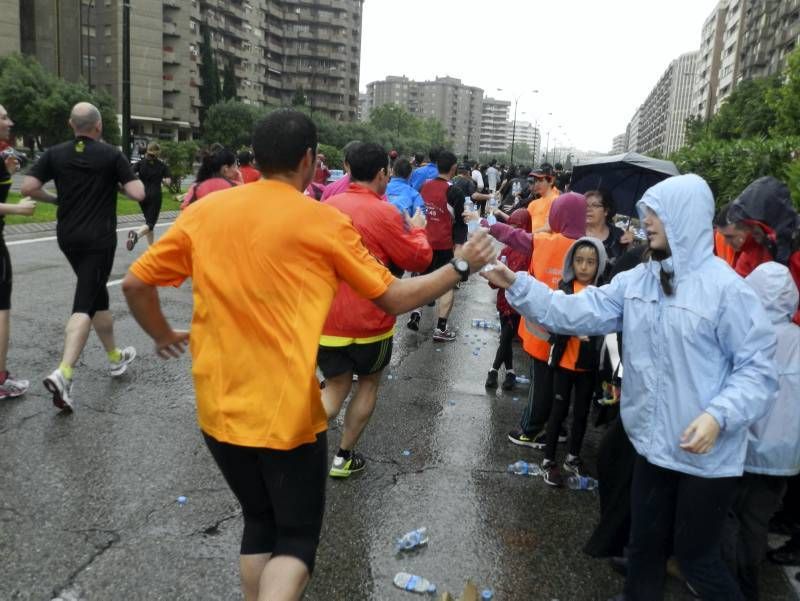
(540, 209)
(546, 266)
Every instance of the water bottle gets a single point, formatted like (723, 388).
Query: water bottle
(416, 584)
(412, 540)
(581, 483)
(491, 209)
(516, 188)
(182, 500)
(487, 594)
(472, 225)
(523, 468)
(523, 380)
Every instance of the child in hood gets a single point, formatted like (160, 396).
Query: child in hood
(509, 319)
(574, 361)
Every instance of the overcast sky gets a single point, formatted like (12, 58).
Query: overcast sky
(593, 61)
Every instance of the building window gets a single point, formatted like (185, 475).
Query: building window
(107, 31)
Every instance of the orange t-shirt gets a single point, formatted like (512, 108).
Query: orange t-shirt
(540, 209)
(265, 263)
(547, 263)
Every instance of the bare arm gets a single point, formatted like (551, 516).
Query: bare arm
(35, 189)
(26, 206)
(145, 306)
(134, 190)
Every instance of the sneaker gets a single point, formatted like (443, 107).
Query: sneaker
(133, 238)
(413, 321)
(491, 379)
(117, 368)
(552, 475)
(562, 435)
(61, 389)
(11, 388)
(518, 437)
(509, 381)
(574, 466)
(786, 555)
(342, 468)
(446, 335)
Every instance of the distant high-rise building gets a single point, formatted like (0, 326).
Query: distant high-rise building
(620, 144)
(632, 131)
(364, 107)
(458, 107)
(276, 49)
(704, 95)
(527, 133)
(662, 118)
(771, 32)
(495, 131)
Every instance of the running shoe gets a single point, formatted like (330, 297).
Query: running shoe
(343, 468)
(117, 368)
(786, 555)
(574, 466)
(491, 379)
(61, 388)
(413, 321)
(518, 437)
(11, 388)
(133, 238)
(509, 381)
(552, 475)
(446, 335)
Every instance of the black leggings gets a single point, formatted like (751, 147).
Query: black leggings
(564, 381)
(505, 350)
(151, 208)
(689, 512)
(282, 495)
(5, 276)
(92, 268)
(540, 398)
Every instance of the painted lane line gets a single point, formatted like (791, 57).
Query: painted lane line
(50, 238)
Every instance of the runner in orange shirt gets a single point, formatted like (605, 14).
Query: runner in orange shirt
(265, 263)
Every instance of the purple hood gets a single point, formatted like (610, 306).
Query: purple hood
(568, 215)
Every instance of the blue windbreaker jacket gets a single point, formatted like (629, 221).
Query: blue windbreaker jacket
(774, 442)
(404, 197)
(707, 347)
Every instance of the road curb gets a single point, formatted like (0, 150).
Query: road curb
(50, 226)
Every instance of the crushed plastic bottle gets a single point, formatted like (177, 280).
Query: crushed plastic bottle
(581, 483)
(523, 468)
(182, 500)
(487, 594)
(415, 584)
(523, 380)
(412, 540)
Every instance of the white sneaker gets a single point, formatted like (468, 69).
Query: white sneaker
(11, 388)
(61, 388)
(118, 368)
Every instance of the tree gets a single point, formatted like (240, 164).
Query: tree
(210, 91)
(785, 100)
(228, 82)
(231, 123)
(299, 97)
(179, 157)
(40, 103)
(333, 156)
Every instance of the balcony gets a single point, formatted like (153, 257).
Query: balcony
(171, 29)
(170, 58)
(175, 4)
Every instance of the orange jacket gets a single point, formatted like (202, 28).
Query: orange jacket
(722, 249)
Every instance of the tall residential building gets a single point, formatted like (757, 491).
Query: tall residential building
(527, 133)
(771, 31)
(458, 107)
(632, 131)
(729, 66)
(495, 132)
(363, 107)
(704, 95)
(662, 121)
(620, 144)
(276, 48)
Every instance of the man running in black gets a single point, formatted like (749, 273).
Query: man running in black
(9, 387)
(153, 172)
(87, 174)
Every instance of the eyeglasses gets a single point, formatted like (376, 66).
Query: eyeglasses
(593, 205)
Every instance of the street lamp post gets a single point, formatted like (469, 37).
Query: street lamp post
(514, 123)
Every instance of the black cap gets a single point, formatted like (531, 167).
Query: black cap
(545, 169)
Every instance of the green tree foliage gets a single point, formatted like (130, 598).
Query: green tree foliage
(39, 102)
(229, 82)
(334, 158)
(785, 100)
(210, 91)
(179, 156)
(232, 123)
(299, 98)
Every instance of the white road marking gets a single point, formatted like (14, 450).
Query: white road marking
(50, 238)
(114, 283)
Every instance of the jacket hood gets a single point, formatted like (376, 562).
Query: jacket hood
(568, 274)
(568, 215)
(768, 201)
(685, 205)
(521, 218)
(774, 285)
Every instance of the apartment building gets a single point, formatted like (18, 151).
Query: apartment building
(619, 144)
(276, 49)
(495, 131)
(458, 107)
(527, 133)
(771, 32)
(632, 131)
(704, 95)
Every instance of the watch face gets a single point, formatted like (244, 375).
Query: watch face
(462, 265)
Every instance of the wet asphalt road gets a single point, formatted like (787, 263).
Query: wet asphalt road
(88, 501)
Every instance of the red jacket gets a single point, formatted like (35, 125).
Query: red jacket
(515, 261)
(387, 237)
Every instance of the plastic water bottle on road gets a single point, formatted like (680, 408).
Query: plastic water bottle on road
(415, 584)
(523, 468)
(581, 483)
(412, 540)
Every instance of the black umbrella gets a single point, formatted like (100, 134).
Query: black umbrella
(627, 176)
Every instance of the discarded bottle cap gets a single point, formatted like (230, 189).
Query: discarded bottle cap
(181, 500)
(487, 594)
(406, 452)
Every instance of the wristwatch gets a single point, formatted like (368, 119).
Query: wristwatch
(462, 267)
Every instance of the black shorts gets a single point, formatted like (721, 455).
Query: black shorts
(361, 359)
(440, 259)
(5, 276)
(151, 208)
(92, 268)
(282, 495)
